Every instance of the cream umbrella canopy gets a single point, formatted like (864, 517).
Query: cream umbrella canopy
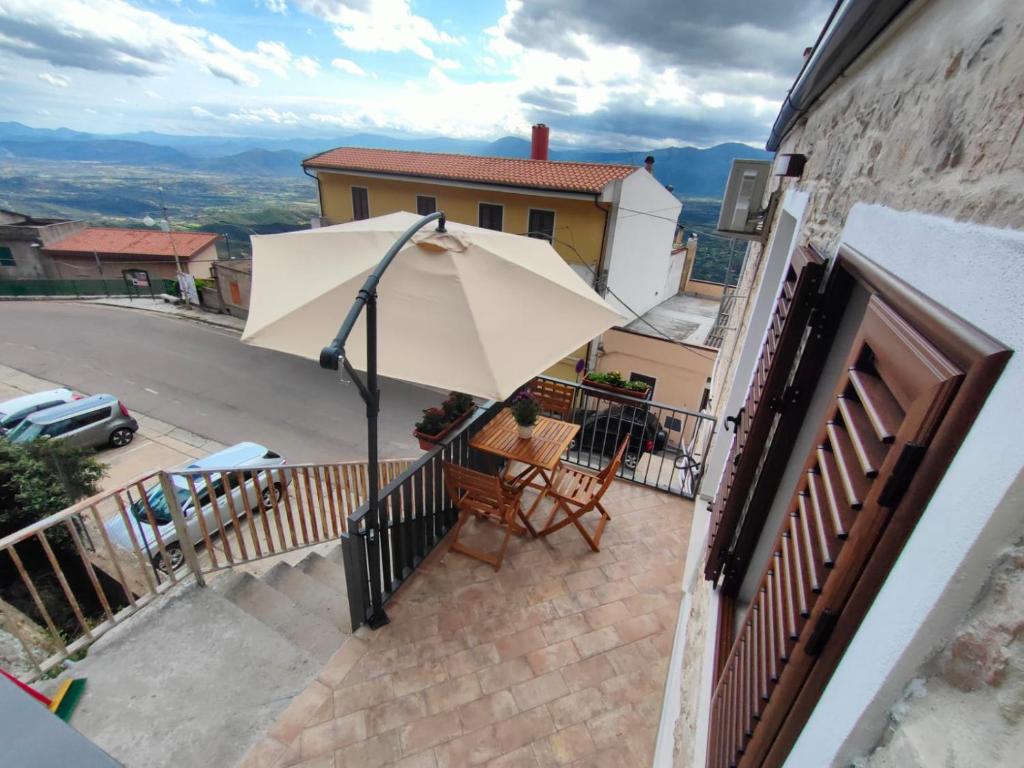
(461, 308)
(465, 309)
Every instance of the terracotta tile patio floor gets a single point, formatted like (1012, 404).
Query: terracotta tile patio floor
(559, 658)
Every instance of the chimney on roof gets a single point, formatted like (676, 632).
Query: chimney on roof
(649, 164)
(539, 144)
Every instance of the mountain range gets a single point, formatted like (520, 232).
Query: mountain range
(692, 172)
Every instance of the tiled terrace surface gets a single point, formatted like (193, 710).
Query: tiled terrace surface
(559, 658)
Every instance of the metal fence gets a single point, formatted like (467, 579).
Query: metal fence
(667, 445)
(77, 288)
(415, 515)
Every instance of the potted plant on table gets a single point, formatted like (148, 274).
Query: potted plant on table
(525, 410)
(613, 381)
(438, 421)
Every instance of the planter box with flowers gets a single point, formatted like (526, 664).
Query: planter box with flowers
(439, 421)
(614, 383)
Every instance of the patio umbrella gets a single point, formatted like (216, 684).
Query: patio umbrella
(467, 309)
(453, 307)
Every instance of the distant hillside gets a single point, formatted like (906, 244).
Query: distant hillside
(256, 162)
(692, 172)
(94, 150)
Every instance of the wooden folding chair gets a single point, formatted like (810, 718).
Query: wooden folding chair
(555, 398)
(576, 492)
(477, 494)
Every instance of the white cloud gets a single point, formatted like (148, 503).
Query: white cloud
(263, 115)
(57, 81)
(380, 25)
(307, 66)
(200, 112)
(448, 64)
(116, 37)
(349, 66)
(153, 94)
(277, 6)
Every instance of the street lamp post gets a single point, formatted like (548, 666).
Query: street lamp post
(334, 354)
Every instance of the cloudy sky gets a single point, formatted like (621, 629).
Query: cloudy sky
(614, 73)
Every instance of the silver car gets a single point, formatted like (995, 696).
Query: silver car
(246, 456)
(92, 421)
(15, 411)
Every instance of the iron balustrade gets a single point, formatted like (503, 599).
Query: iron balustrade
(672, 463)
(415, 515)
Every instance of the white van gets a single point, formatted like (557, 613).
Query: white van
(245, 456)
(13, 412)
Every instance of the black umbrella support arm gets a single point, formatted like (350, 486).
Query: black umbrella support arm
(335, 351)
(370, 393)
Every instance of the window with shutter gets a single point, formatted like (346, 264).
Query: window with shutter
(752, 425)
(887, 407)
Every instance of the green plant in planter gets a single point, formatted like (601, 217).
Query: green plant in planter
(525, 409)
(456, 404)
(637, 386)
(433, 422)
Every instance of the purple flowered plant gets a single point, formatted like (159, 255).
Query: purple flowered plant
(525, 408)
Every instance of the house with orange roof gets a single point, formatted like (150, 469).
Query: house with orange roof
(103, 252)
(614, 224)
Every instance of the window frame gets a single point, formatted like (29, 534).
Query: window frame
(479, 211)
(433, 205)
(366, 193)
(7, 257)
(982, 359)
(529, 225)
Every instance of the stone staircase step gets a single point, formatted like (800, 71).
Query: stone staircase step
(326, 570)
(311, 595)
(192, 680)
(318, 636)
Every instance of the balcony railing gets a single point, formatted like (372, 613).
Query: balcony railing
(71, 577)
(668, 445)
(415, 515)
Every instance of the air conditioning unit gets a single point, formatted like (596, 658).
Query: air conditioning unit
(742, 214)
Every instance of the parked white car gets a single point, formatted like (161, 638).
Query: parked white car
(245, 456)
(15, 411)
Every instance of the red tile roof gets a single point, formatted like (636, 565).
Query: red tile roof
(133, 242)
(505, 171)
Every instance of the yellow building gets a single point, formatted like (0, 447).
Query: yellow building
(582, 208)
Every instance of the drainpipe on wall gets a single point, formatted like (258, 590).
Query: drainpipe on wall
(319, 192)
(603, 259)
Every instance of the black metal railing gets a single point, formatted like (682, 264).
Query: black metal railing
(667, 445)
(415, 515)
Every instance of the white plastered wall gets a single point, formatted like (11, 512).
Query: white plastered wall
(784, 240)
(977, 273)
(642, 271)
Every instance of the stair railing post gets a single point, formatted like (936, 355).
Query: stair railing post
(178, 518)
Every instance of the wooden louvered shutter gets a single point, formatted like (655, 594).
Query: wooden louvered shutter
(887, 406)
(764, 399)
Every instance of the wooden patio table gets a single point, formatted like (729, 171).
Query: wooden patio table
(540, 453)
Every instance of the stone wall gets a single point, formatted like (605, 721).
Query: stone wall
(929, 120)
(967, 707)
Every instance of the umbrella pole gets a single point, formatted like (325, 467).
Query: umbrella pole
(378, 618)
(334, 354)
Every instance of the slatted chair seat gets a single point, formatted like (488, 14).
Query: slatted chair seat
(485, 497)
(576, 493)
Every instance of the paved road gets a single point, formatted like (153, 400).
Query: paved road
(205, 380)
